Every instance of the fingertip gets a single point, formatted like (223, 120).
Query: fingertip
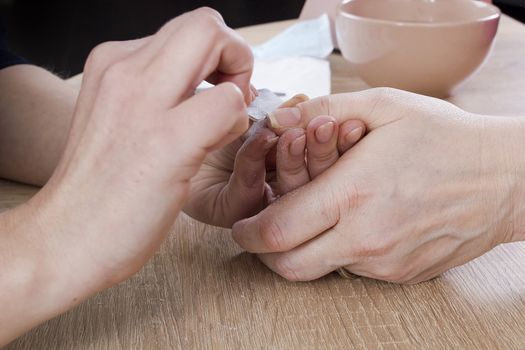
(350, 133)
(283, 119)
(351, 125)
(294, 101)
(320, 120)
(292, 171)
(298, 146)
(241, 233)
(258, 144)
(289, 138)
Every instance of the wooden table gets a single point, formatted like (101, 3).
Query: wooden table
(202, 291)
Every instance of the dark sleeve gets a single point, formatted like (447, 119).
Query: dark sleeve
(7, 58)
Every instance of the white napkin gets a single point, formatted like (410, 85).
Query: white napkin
(294, 61)
(311, 38)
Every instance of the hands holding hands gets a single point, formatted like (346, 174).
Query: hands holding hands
(242, 178)
(429, 188)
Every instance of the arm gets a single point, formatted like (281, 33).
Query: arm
(35, 115)
(125, 171)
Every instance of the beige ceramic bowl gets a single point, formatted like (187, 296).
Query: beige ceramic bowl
(424, 46)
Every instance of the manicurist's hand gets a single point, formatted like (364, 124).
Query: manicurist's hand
(429, 188)
(242, 178)
(138, 136)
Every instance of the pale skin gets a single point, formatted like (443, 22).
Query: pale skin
(429, 188)
(120, 158)
(53, 257)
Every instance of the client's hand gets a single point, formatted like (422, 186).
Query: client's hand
(240, 179)
(429, 188)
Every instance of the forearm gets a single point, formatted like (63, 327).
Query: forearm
(35, 114)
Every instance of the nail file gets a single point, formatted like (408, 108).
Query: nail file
(266, 102)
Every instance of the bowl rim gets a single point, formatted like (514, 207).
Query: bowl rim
(495, 15)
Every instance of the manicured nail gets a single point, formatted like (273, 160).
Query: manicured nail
(354, 135)
(298, 145)
(324, 133)
(284, 117)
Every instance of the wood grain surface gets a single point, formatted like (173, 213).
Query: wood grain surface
(202, 292)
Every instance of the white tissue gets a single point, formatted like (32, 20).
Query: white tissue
(294, 62)
(294, 75)
(311, 38)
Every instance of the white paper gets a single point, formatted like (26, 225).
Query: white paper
(294, 75)
(311, 38)
(293, 62)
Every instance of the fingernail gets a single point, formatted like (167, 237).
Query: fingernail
(297, 99)
(270, 142)
(354, 135)
(298, 145)
(285, 117)
(324, 133)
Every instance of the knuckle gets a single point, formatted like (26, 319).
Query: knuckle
(118, 77)
(272, 236)
(325, 157)
(286, 269)
(209, 18)
(292, 169)
(99, 58)
(207, 11)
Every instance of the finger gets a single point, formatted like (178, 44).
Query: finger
(209, 120)
(371, 106)
(322, 133)
(294, 101)
(255, 128)
(100, 59)
(313, 259)
(291, 165)
(254, 92)
(295, 218)
(192, 48)
(106, 54)
(350, 133)
(271, 159)
(245, 193)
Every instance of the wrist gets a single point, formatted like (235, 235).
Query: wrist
(508, 139)
(33, 289)
(519, 169)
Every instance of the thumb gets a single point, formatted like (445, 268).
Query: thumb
(210, 119)
(204, 123)
(374, 107)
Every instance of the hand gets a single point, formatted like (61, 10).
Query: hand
(240, 179)
(138, 136)
(429, 188)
